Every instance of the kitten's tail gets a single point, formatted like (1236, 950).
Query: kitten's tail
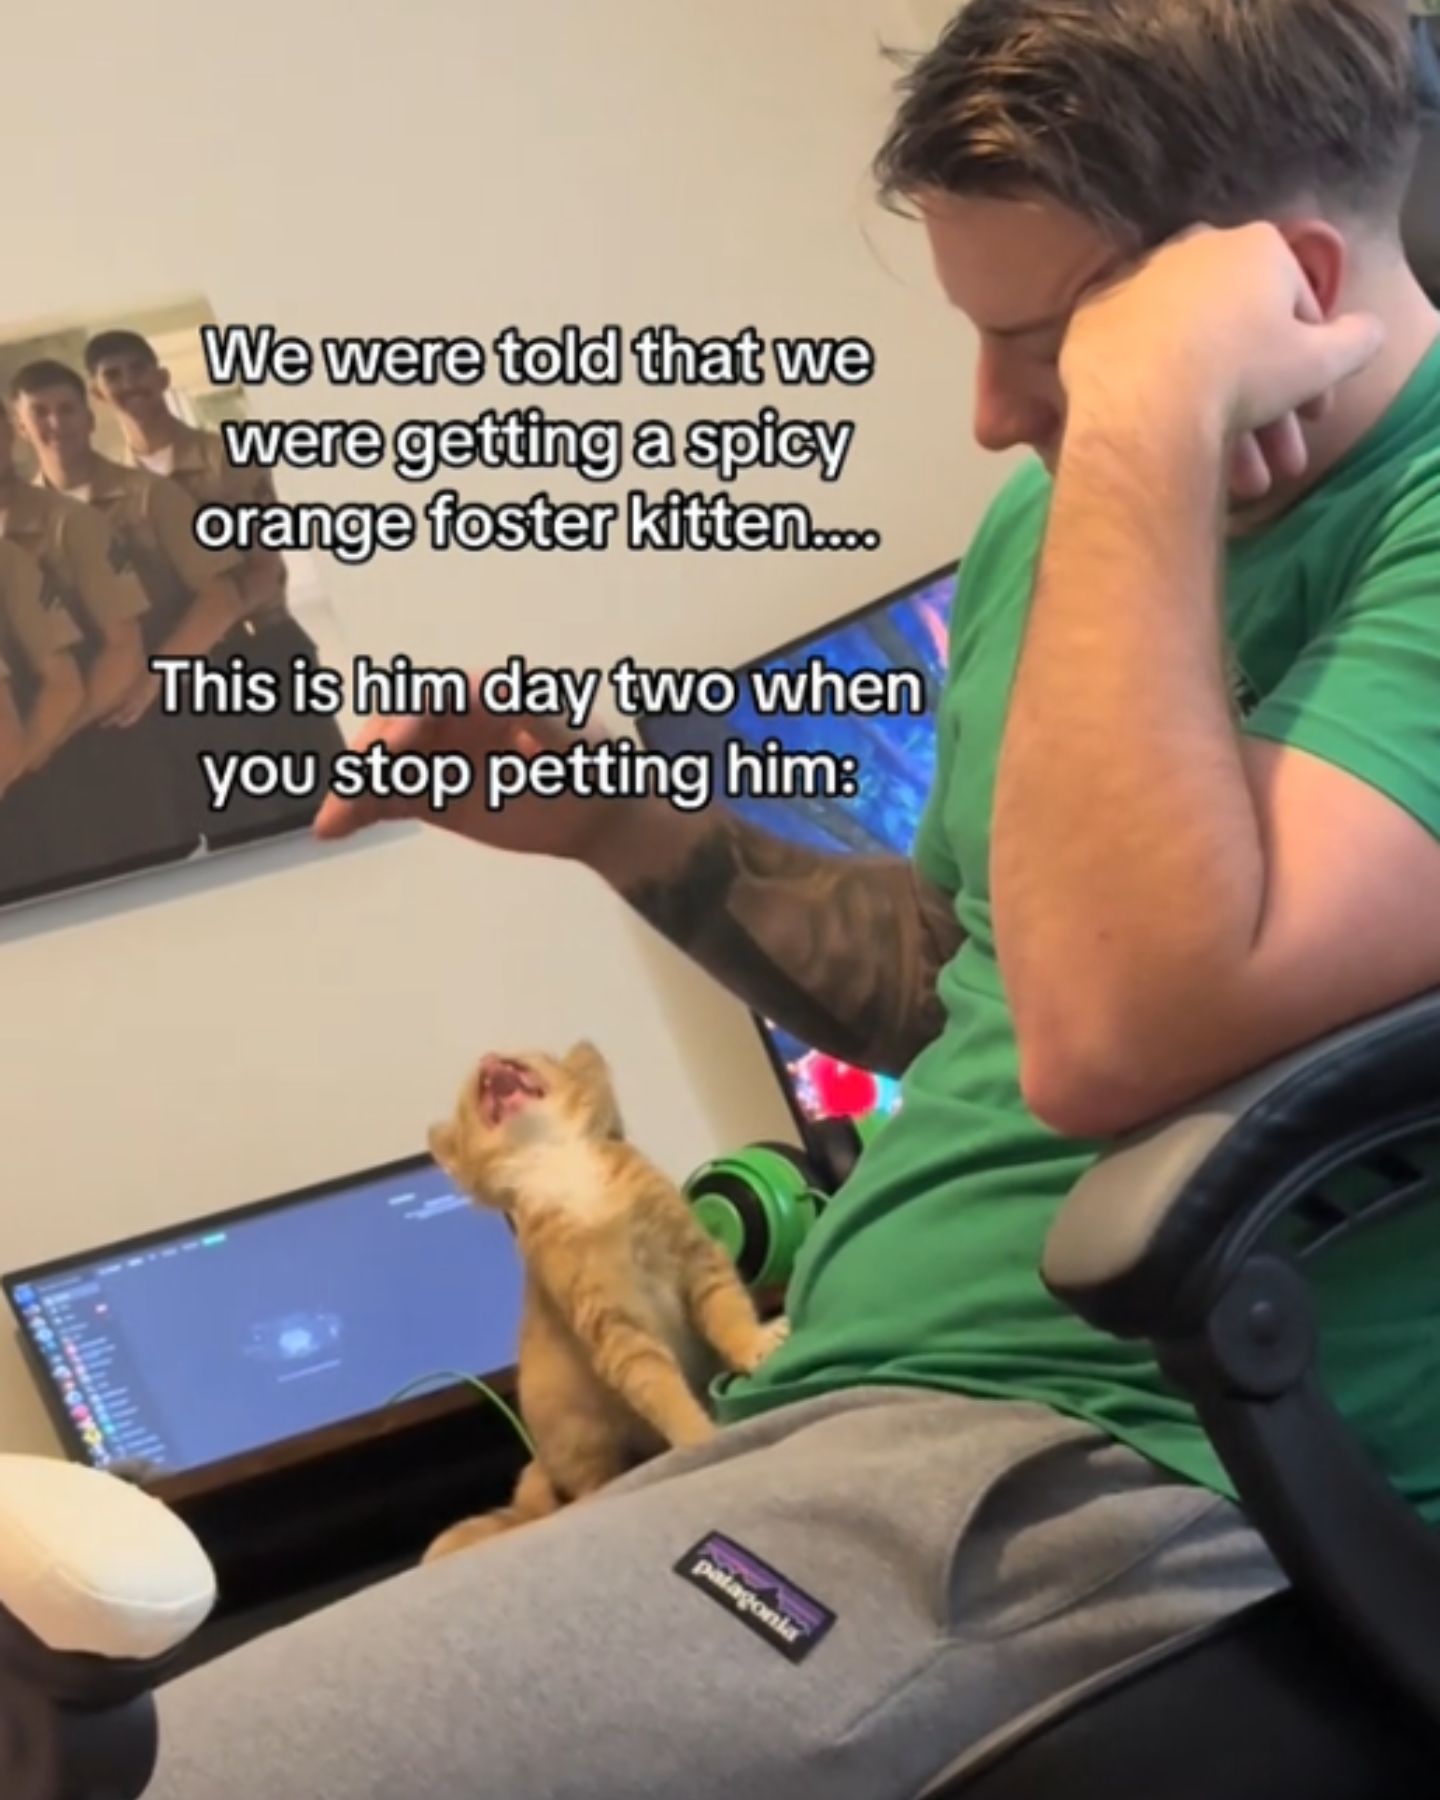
(534, 1498)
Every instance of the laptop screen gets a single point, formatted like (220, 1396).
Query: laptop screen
(262, 1325)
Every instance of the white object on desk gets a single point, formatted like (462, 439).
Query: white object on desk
(90, 1564)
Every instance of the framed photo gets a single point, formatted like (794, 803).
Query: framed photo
(109, 445)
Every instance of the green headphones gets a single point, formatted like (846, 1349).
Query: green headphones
(760, 1203)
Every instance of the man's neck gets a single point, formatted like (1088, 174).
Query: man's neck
(10, 485)
(149, 436)
(1412, 326)
(66, 472)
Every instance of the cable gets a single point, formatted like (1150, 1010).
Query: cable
(481, 1387)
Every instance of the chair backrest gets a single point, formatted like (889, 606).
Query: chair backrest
(1422, 211)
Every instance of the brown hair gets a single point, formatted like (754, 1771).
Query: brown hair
(35, 377)
(1148, 116)
(118, 343)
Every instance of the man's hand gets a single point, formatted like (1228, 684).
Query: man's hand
(567, 826)
(136, 702)
(1222, 327)
(843, 951)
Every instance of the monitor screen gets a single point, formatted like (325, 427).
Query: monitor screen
(895, 756)
(259, 1326)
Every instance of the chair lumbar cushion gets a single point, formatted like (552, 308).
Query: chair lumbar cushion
(92, 1565)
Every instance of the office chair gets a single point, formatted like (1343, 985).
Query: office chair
(1197, 1234)
(1420, 222)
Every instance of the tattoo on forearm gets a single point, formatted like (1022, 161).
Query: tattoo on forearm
(842, 951)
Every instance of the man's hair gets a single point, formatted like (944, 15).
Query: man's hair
(35, 377)
(1147, 117)
(106, 344)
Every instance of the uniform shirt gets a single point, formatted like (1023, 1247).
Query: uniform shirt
(30, 631)
(924, 1270)
(197, 460)
(84, 566)
(153, 523)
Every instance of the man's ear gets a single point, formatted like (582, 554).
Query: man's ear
(1324, 258)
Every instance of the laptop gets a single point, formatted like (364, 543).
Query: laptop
(258, 1331)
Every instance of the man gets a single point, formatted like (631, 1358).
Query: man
(84, 570)
(126, 374)
(104, 799)
(1138, 875)
(41, 697)
(193, 600)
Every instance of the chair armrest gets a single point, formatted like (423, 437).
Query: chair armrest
(1166, 1238)
(99, 1582)
(1157, 1228)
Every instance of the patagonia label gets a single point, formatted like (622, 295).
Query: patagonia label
(788, 1619)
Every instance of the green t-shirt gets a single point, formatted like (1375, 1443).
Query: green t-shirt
(924, 1270)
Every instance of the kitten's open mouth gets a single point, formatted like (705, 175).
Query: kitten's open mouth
(505, 1087)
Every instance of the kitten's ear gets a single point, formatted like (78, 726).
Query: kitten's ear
(586, 1064)
(584, 1061)
(441, 1142)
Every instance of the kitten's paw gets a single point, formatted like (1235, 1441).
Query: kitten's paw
(465, 1536)
(685, 1434)
(763, 1345)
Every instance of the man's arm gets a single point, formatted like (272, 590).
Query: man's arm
(214, 611)
(213, 578)
(58, 704)
(262, 579)
(118, 666)
(216, 606)
(12, 734)
(1174, 904)
(110, 595)
(842, 951)
(45, 636)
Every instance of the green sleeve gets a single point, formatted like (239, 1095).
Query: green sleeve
(931, 852)
(1010, 519)
(1365, 692)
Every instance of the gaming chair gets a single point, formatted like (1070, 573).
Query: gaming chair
(1421, 222)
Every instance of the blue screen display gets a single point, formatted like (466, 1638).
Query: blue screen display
(239, 1335)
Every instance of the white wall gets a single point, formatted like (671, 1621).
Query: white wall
(344, 166)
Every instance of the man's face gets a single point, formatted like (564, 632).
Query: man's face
(55, 419)
(131, 383)
(1016, 270)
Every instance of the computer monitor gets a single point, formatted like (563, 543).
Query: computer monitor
(265, 1325)
(908, 628)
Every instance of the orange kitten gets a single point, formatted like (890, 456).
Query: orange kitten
(630, 1307)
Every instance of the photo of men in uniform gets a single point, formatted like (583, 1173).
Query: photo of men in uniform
(105, 458)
